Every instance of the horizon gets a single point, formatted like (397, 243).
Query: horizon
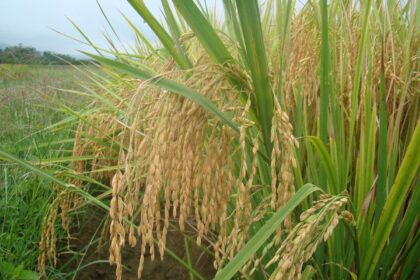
(4, 46)
(37, 23)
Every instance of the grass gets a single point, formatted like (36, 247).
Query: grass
(28, 104)
(288, 138)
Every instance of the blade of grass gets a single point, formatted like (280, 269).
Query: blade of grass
(323, 102)
(175, 31)
(326, 162)
(143, 38)
(107, 20)
(406, 225)
(283, 23)
(356, 83)
(249, 17)
(160, 32)
(187, 253)
(8, 157)
(233, 24)
(203, 30)
(88, 41)
(411, 260)
(381, 188)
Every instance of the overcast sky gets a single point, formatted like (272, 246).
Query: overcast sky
(29, 22)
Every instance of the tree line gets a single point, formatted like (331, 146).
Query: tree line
(30, 55)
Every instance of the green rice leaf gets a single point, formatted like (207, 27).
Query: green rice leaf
(256, 57)
(160, 32)
(381, 188)
(203, 30)
(326, 162)
(264, 233)
(323, 117)
(393, 204)
(175, 30)
(169, 85)
(8, 157)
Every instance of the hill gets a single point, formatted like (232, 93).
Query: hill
(29, 55)
(3, 45)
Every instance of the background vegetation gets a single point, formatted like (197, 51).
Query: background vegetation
(28, 55)
(30, 102)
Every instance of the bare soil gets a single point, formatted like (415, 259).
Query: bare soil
(169, 268)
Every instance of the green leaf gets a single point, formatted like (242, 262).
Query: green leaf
(203, 30)
(6, 156)
(160, 32)
(326, 162)
(249, 17)
(323, 117)
(6, 268)
(28, 275)
(264, 233)
(140, 35)
(88, 41)
(406, 226)
(381, 188)
(232, 23)
(169, 85)
(308, 273)
(107, 20)
(175, 30)
(357, 81)
(408, 170)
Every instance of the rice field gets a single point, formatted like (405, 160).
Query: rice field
(250, 140)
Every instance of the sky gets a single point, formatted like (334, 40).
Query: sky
(29, 22)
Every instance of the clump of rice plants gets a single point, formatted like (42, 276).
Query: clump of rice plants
(232, 120)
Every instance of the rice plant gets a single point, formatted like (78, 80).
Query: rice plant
(286, 135)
